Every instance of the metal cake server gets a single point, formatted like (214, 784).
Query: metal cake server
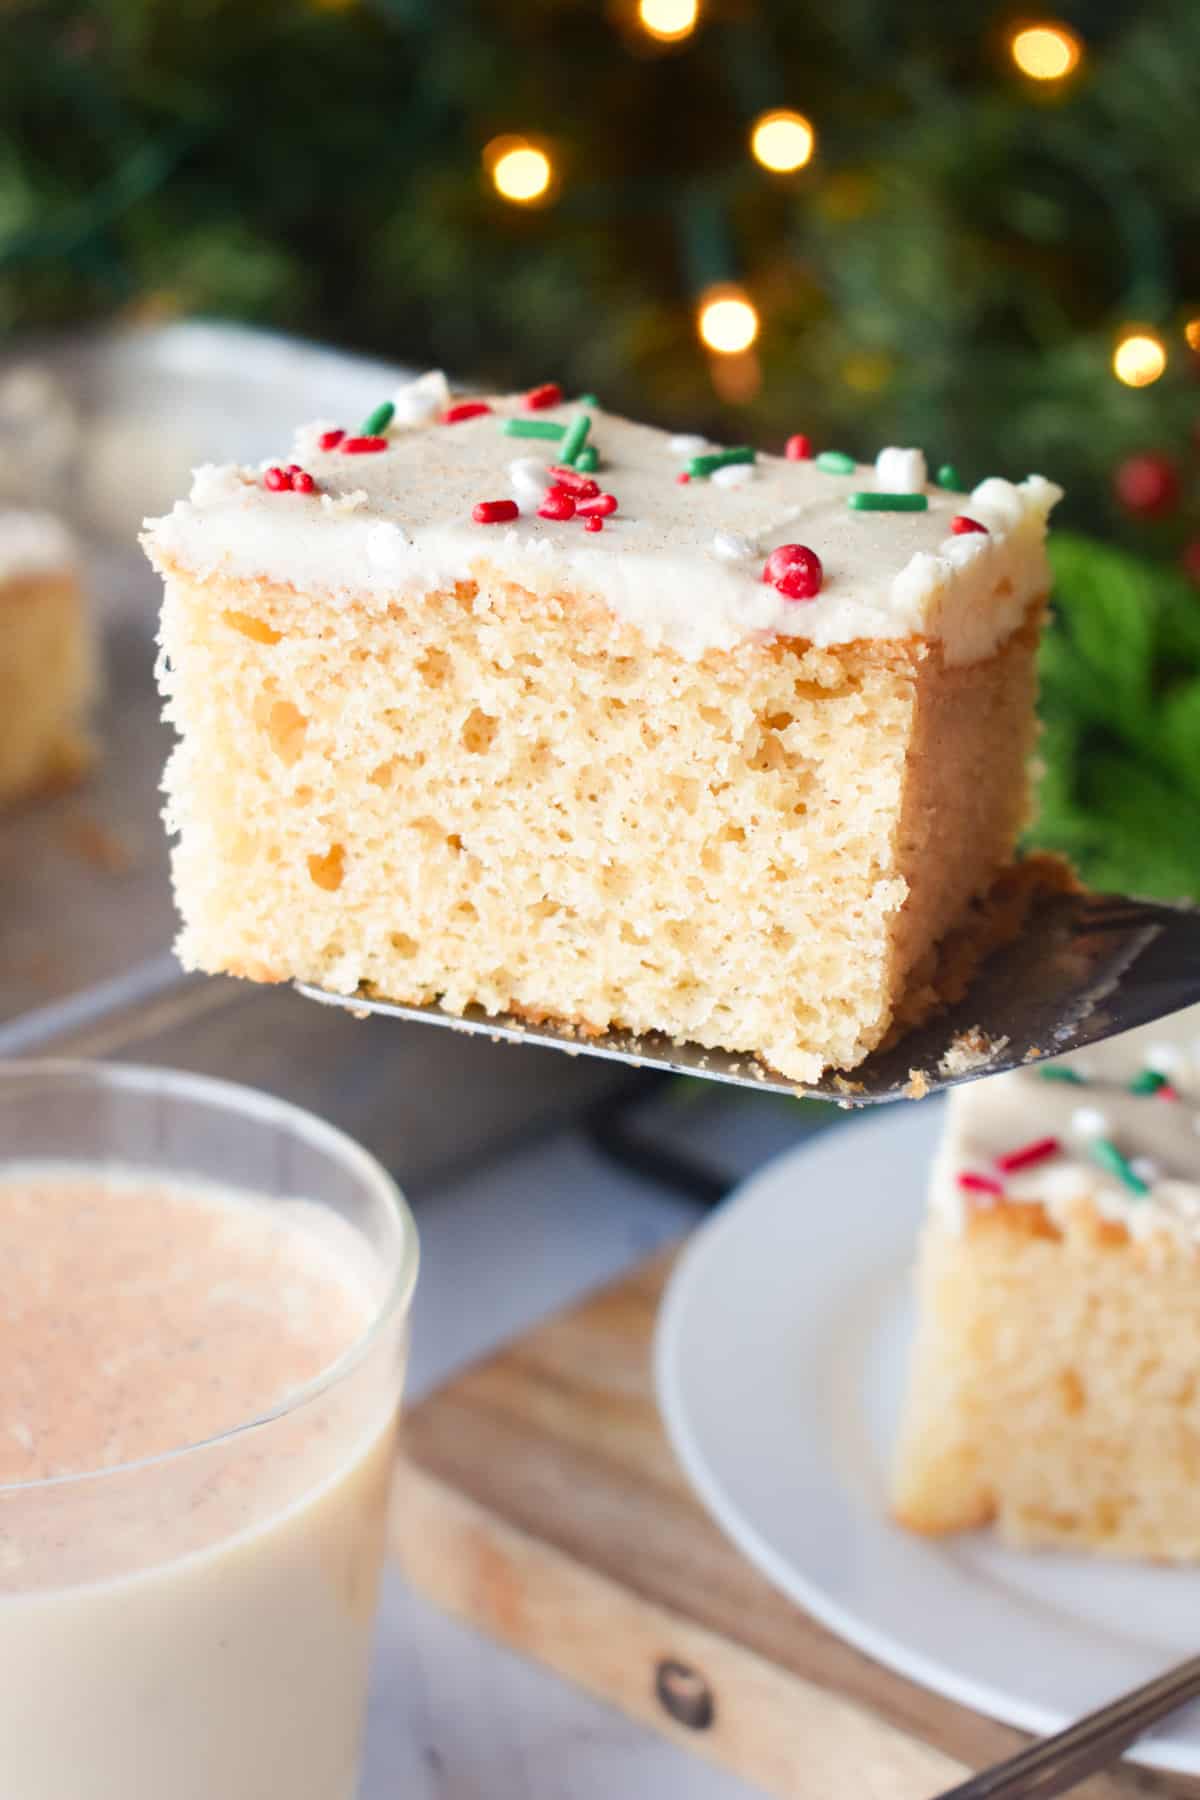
(1084, 967)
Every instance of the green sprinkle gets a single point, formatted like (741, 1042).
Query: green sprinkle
(949, 477)
(1110, 1158)
(1060, 1072)
(378, 421)
(865, 501)
(720, 459)
(1148, 1082)
(836, 462)
(576, 436)
(538, 428)
(588, 460)
(588, 400)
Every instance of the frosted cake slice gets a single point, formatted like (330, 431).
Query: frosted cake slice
(517, 703)
(1055, 1379)
(47, 657)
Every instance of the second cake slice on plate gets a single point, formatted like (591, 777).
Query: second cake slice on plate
(531, 707)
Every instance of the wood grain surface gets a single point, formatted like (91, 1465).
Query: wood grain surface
(538, 1499)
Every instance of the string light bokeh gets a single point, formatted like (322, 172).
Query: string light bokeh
(782, 141)
(1049, 51)
(668, 20)
(727, 321)
(1139, 358)
(521, 172)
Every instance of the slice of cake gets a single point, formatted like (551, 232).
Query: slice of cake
(1055, 1378)
(47, 659)
(516, 703)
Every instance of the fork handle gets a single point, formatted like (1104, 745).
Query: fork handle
(1057, 1763)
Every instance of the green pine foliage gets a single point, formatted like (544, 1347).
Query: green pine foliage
(1120, 675)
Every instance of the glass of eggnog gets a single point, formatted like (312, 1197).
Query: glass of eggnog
(204, 1300)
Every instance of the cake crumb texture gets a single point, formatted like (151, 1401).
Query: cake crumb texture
(485, 794)
(1054, 1385)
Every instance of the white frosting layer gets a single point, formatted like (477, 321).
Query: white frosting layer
(402, 519)
(1159, 1137)
(33, 543)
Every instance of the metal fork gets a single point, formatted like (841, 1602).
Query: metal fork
(1084, 967)
(1060, 1762)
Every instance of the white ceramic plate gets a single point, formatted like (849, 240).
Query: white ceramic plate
(780, 1361)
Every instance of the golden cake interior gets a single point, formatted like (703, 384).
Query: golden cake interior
(1055, 1386)
(479, 795)
(47, 678)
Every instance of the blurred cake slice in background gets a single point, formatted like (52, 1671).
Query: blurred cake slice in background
(47, 657)
(516, 703)
(1054, 1386)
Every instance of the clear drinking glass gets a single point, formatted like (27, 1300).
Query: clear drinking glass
(196, 1625)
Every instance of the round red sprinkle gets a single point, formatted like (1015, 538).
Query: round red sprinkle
(597, 507)
(1028, 1154)
(979, 1184)
(798, 448)
(557, 504)
(329, 440)
(683, 478)
(363, 446)
(465, 409)
(582, 486)
(549, 394)
(961, 524)
(277, 480)
(795, 570)
(302, 482)
(595, 523)
(1167, 1092)
(495, 512)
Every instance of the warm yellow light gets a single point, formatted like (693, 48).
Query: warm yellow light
(1046, 52)
(668, 20)
(782, 140)
(520, 172)
(727, 323)
(1139, 359)
(1191, 332)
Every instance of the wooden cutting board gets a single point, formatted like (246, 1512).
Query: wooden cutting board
(539, 1500)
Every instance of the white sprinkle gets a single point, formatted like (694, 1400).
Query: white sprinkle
(900, 471)
(731, 546)
(529, 478)
(1089, 1122)
(386, 545)
(1164, 1059)
(218, 481)
(1146, 1169)
(733, 475)
(686, 443)
(418, 400)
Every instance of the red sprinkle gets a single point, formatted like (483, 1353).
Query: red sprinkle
(597, 506)
(683, 478)
(798, 448)
(960, 524)
(495, 512)
(795, 570)
(465, 409)
(363, 446)
(277, 480)
(1166, 1092)
(549, 394)
(557, 504)
(595, 523)
(582, 486)
(329, 440)
(1028, 1154)
(979, 1184)
(302, 482)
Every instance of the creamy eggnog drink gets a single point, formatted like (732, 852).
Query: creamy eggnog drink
(198, 1391)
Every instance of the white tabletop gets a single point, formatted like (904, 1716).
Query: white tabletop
(452, 1716)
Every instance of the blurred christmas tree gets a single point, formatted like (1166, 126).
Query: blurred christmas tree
(944, 226)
